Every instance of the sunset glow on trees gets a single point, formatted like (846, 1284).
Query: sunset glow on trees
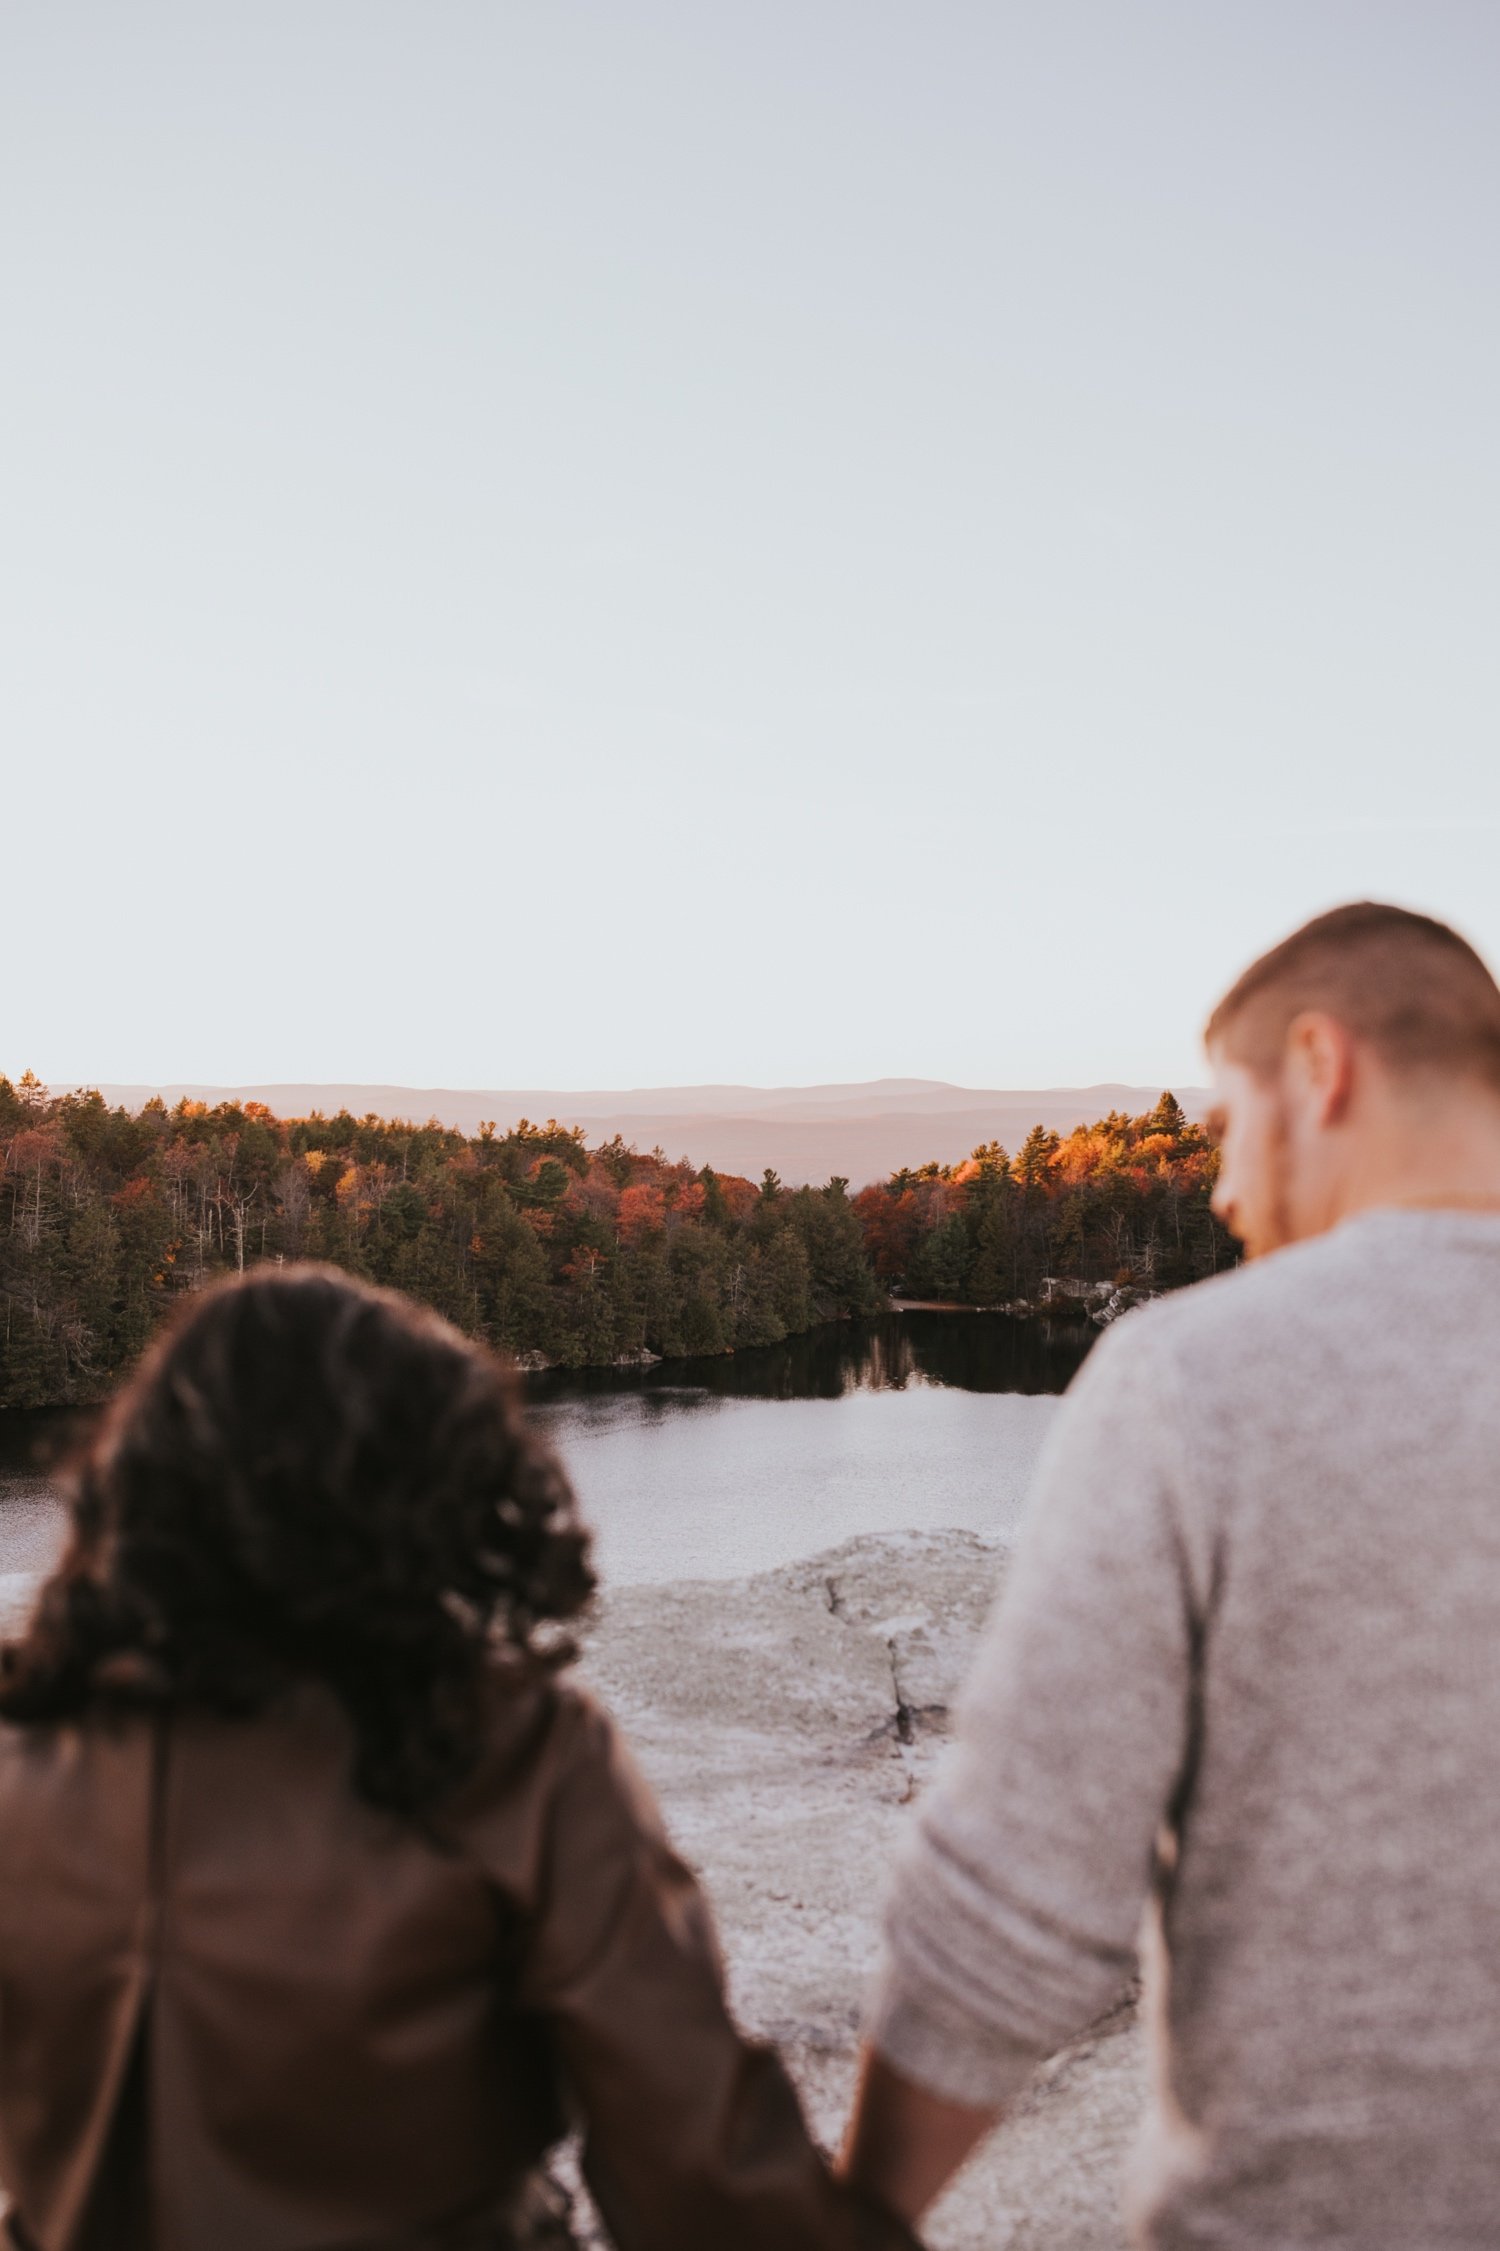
(1122, 1202)
(528, 1239)
(542, 1246)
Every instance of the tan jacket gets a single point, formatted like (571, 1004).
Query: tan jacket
(240, 2010)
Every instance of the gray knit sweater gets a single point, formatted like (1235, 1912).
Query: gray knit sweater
(1246, 1668)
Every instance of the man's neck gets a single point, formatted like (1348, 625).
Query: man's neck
(1443, 1157)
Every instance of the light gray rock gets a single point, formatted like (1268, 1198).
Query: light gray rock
(787, 1722)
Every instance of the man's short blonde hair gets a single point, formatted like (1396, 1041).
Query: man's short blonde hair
(1412, 987)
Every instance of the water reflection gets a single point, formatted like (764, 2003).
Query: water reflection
(892, 1352)
(715, 1468)
(33, 1440)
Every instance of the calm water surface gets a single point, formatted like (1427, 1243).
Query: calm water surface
(712, 1469)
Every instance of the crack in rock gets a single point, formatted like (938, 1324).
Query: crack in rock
(905, 1724)
(906, 1733)
(905, 1713)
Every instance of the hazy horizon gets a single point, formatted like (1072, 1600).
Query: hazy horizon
(860, 1133)
(577, 546)
(250, 1088)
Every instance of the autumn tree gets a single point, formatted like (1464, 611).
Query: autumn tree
(538, 1244)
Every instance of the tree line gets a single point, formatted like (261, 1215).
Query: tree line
(1120, 1204)
(535, 1242)
(527, 1238)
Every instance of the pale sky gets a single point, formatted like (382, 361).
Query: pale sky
(600, 545)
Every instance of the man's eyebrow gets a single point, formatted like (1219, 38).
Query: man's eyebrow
(1213, 1124)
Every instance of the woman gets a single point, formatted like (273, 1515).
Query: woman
(327, 1900)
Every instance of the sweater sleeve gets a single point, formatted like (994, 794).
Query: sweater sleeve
(1017, 1899)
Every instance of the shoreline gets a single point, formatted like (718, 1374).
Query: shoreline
(1068, 1312)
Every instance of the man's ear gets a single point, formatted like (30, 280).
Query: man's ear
(1320, 1064)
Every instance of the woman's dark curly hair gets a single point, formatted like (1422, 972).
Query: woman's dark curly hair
(307, 1476)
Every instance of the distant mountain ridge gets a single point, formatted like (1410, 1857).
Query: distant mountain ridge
(862, 1132)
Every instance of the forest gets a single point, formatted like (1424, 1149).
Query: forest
(553, 1251)
(1120, 1204)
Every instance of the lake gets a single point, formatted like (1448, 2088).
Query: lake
(714, 1469)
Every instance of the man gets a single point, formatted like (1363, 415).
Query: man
(1247, 1668)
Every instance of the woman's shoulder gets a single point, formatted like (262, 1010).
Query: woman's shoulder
(528, 1718)
(531, 1711)
(72, 1798)
(69, 1748)
(544, 1739)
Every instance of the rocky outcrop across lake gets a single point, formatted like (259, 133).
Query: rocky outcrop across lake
(787, 1721)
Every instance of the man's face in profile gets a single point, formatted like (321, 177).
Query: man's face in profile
(1252, 1196)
